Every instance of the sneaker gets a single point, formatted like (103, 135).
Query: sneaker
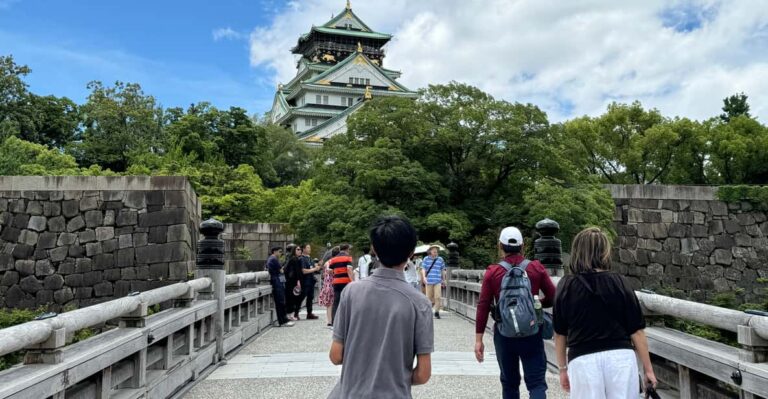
(295, 316)
(291, 318)
(312, 317)
(437, 315)
(288, 324)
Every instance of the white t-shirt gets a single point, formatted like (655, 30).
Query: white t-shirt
(362, 265)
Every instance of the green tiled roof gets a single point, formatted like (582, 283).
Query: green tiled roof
(347, 32)
(349, 59)
(343, 114)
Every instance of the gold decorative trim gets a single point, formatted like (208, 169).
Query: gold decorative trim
(325, 82)
(360, 60)
(392, 88)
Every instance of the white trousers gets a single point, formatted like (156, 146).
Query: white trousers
(605, 375)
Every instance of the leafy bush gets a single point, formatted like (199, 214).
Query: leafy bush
(756, 195)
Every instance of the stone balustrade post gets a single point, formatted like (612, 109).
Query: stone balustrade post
(754, 349)
(48, 352)
(210, 263)
(547, 249)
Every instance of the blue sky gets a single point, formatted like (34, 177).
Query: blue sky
(570, 58)
(166, 46)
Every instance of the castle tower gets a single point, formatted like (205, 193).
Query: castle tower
(340, 64)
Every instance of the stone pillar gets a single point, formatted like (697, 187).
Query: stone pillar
(547, 249)
(210, 263)
(453, 264)
(453, 255)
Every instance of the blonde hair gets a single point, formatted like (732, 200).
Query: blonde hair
(590, 250)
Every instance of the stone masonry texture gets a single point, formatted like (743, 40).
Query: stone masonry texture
(682, 238)
(78, 241)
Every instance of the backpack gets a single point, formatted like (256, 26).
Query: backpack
(516, 313)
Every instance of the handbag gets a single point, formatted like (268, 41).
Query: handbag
(297, 289)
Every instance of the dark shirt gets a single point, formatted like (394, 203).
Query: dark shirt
(306, 264)
(489, 291)
(596, 322)
(273, 267)
(293, 270)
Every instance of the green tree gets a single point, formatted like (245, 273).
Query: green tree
(286, 159)
(737, 151)
(19, 157)
(735, 105)
(121, 122)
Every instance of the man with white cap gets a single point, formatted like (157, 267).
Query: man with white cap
(511, 351)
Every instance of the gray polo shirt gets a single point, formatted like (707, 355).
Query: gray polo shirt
(383, 323)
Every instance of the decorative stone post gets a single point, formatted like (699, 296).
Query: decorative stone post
(547, 249)
(210, 263)
(453, 255)
(453, 264)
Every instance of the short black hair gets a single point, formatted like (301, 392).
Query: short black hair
(275, 249)
(394, 239)
(511, 249)
(344, 247)
(304, 246)
(366, 250)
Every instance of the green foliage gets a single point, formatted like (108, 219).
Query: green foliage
(757, 195)
(19, 157)
(243, 253)
(735, 106)
(574, 208)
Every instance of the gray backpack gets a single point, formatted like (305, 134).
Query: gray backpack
(516, 313)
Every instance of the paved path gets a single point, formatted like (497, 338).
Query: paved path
(293, 363)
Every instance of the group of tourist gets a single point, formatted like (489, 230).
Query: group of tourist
(382, 323)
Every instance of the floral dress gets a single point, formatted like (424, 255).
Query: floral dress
(326, 293)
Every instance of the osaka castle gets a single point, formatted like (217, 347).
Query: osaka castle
(340, 65)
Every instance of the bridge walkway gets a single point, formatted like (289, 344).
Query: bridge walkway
(293, 363)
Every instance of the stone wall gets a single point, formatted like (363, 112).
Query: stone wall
(76, 241)
(256, 239)
(682, 237)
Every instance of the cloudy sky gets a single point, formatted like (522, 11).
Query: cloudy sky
(569, 57)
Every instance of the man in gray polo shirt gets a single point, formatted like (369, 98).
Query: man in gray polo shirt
(382, 323)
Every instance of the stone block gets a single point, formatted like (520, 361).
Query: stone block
(628, 242)
(706, 246)
(724, 241)
(87, 236)
(53, 282)
(164, 217)
(89, 203)
(44, 268)
(111, 195)
(46, 240)
(628, 230)
(105, 233)
(51, 209)
(663, 258)
(645, 203)
(685, 217)
(72, 195)
(21, 221)
(14, 296)
(44, 297)
(699, 218)
(175, 199)
(139, 286)
(753, 230)
(22, 251)
(84, 293)
(103, 289)
(109, 217)
(125, 257)
(58, 254)
(155, 197)
(742, 239)
(76, 251)
(113, 205)
(745, 219)
(645, 230)
(163, 253)
(760, 217)
(92, 249)
(142, 272)
(67, 266)
(746, 206)
(722, 257)
(55, 195)
(671, 244)
(94, 218)
(66, 239)
(681, 259)
(125, 230)
(6, 218)
(28, 237)
(125, 241)
(660, 230)
(732, 226)
(732, 274)
(700, 260)
(109, 246)
(34, 208)
(128, 273)
(158, 271)
(667, 216)
(126, 218)
(718, 208)
(635, 216)
(30, 284)
(74, 280)
(739, 264)
(651, 217)
(122, 288)
(70, 208)
(178, 232)
(10, 234)
(716, 227)
(103, 262)
(18, 206)
(10, 278)
(688, 246)
(7, 262)
(670, 205)
(699, 206)
(92, 278)
(3, 204)
(75, 224)
(112, 274)
(740, 253)
(655, 269)
(677, 230)
(63, 295)
(179, 270)
(37, 223)
(83, 265)
(158, 234)
(56, 224)
(135, 199)
(139, 239)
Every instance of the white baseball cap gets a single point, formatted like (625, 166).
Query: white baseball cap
(511, 236)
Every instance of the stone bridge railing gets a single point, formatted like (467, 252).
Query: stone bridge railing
(694, 367)
(154, 356)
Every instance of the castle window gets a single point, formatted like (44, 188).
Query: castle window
(306, 121)
(314, 122)
(351, 80)
(350, 101)
(317, 99)
(325, 100)
(367, 82)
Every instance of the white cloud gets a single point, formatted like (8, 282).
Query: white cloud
(227, 34)
(570, 58)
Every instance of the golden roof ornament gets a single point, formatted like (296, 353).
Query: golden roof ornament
(368, 95)
(359, 47)
(349, 6)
